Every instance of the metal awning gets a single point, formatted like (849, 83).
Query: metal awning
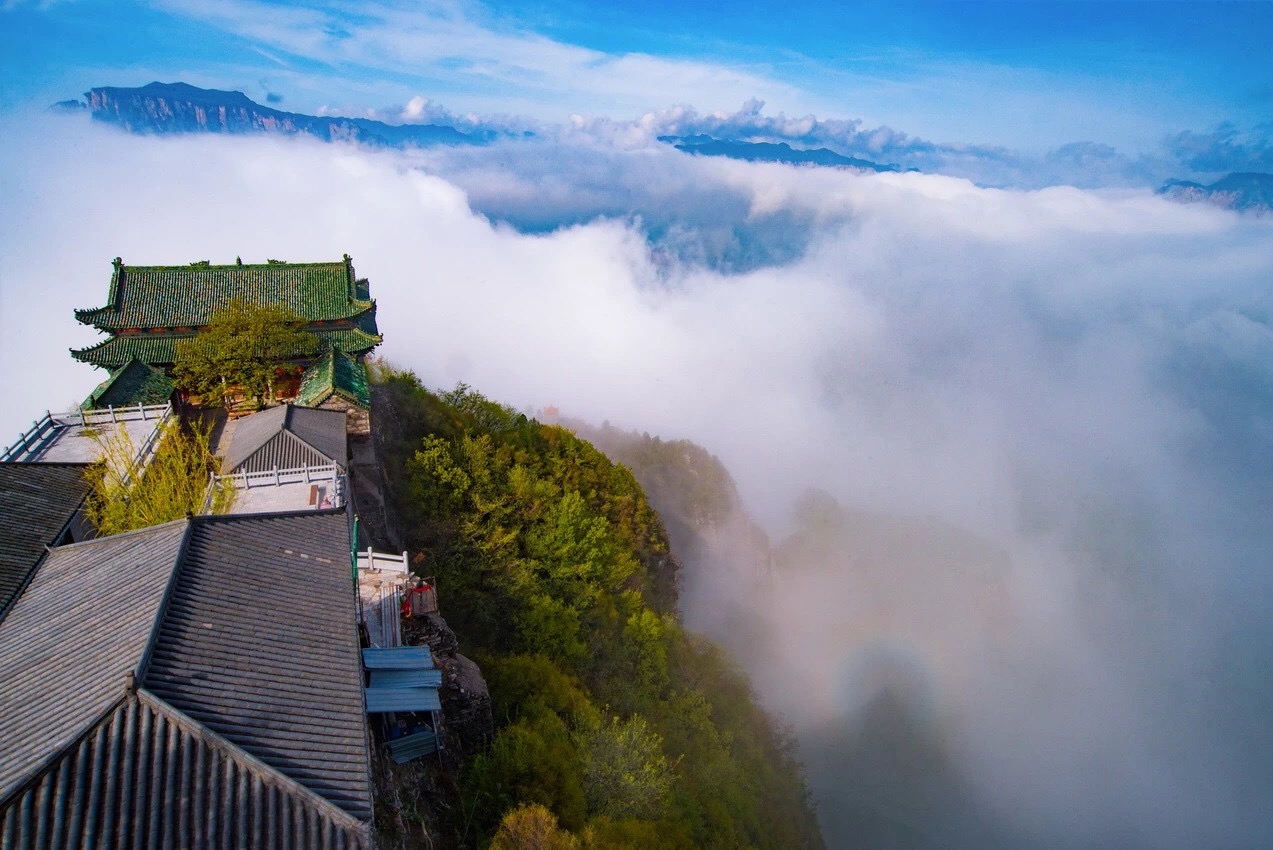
(381, 700)
(397, 658)
(430, 678)
(422, 743)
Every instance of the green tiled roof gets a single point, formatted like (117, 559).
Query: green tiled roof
(335, 373)
(188, 296)
(160, 349)
(131, 384)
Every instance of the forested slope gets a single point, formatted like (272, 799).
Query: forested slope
(558, 577)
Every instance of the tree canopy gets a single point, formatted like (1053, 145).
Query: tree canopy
(239, 351)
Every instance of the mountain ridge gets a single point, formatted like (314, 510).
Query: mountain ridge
(704, 145)
(1244, 191)
(170, 108)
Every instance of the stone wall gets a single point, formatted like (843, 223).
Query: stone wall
(357, 419)
(466, 702)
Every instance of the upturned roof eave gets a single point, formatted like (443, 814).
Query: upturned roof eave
(358, 309)
(88, 315)
(363, 343)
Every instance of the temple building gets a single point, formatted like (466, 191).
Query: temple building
(150, 308)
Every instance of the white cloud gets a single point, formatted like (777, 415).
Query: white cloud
(498, 67)
(1080, 379)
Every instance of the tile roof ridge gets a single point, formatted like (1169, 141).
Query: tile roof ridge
(113, 375)
(35, 772)
(94, 346)
(44, 463)
(342, 465)
(190, 725)
(223, 266)
(211, 519)
(112, 537)
(161, 610)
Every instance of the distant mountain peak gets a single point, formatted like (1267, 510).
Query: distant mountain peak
(1245, 191)
(170, 108)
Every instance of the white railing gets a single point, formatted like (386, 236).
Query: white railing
(100, 416)
(45, 429)
(279, 478)
(373, 561)
(151, 444)
(40, 429)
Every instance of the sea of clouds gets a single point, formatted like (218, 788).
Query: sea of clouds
(1079, 383)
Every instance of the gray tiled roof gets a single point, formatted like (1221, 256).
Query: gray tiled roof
(192, 789)
(260, 645)
(70, 641)
(247, 691)
(251, 433)
(322, 431)
(37, 500)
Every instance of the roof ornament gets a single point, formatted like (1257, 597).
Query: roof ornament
(117, 263)
(238, 261)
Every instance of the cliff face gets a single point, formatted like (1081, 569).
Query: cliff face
(163, 108)
(466, 702)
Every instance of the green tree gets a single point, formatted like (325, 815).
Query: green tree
(534, 760)
(625, 772)
(239, 350)
(631, 834)
(532, 827)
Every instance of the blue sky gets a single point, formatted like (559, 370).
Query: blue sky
(1028, 76)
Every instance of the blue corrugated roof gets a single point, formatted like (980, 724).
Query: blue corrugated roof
(429, 678)
(380, 700)
(397, 658)
(411, 747)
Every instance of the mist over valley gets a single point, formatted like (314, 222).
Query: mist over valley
(941, 337)
(989, 526)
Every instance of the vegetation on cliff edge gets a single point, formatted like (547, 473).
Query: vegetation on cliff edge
(557, 575)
